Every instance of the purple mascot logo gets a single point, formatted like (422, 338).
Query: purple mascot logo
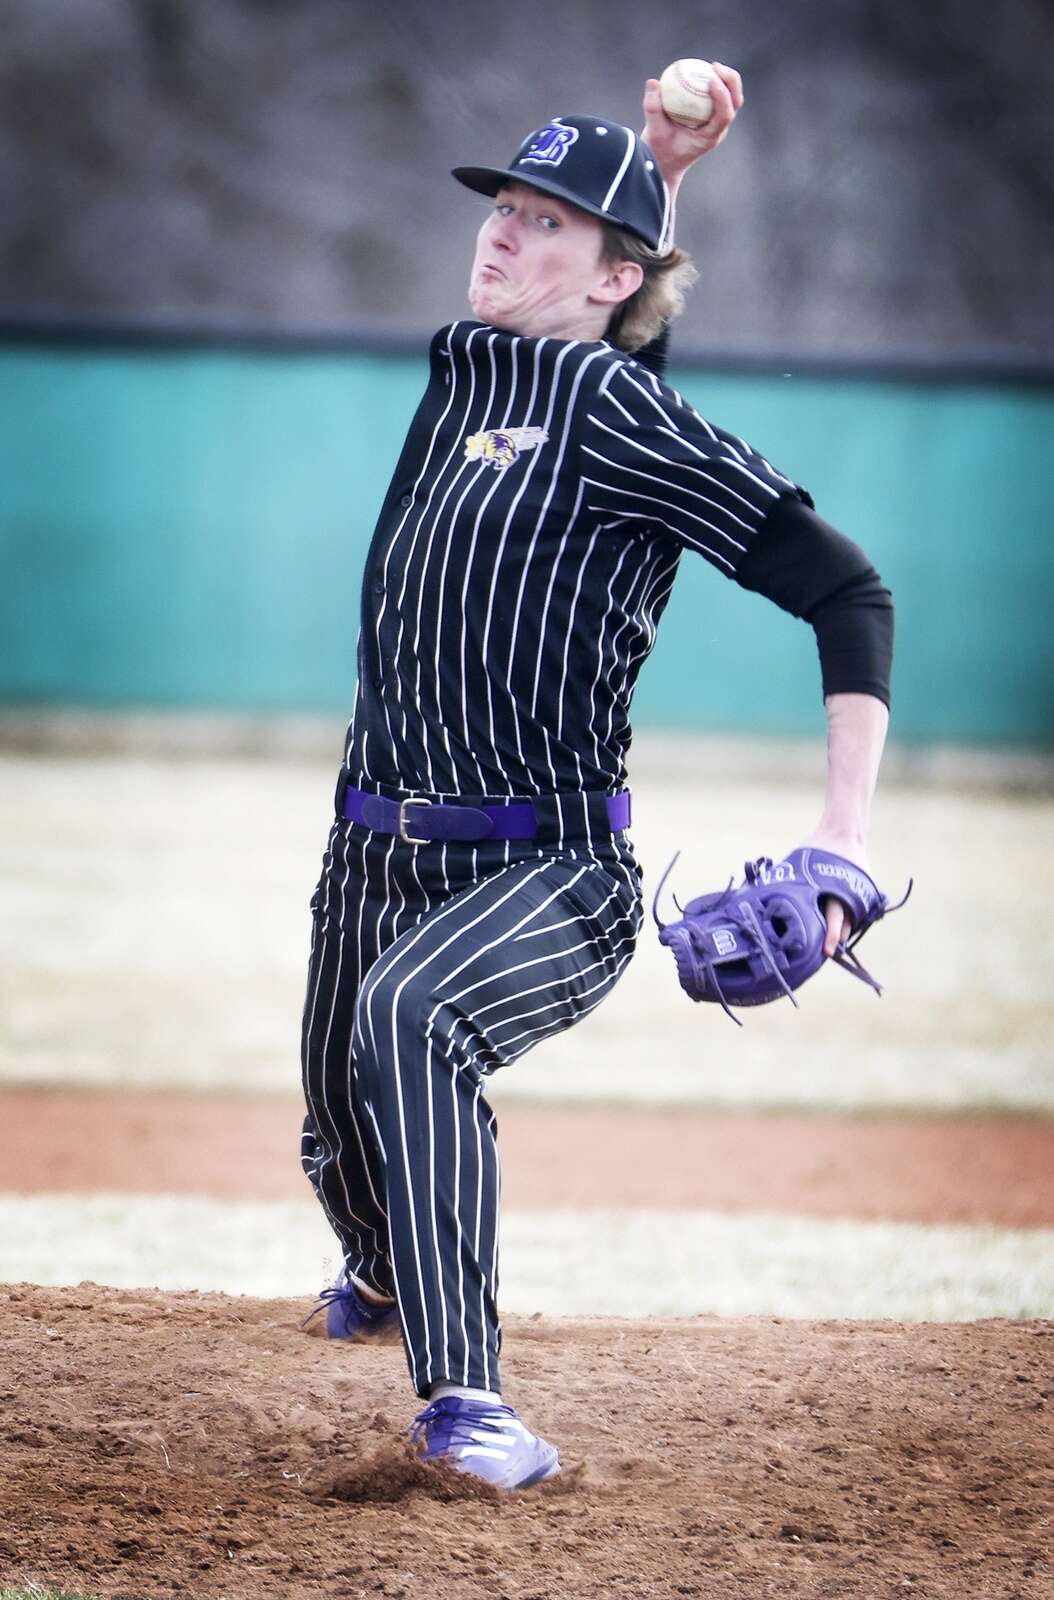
(550, 144)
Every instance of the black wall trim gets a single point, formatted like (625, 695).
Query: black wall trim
(983, 366)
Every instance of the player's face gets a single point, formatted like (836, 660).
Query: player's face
(538, 268)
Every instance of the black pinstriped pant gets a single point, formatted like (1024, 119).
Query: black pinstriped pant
(431, 966)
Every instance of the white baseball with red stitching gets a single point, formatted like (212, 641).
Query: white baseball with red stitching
(684, 89)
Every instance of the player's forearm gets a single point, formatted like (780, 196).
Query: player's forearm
(672, 185)
(678, 145)
(856, 734)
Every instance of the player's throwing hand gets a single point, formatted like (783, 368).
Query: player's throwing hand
(676, 147)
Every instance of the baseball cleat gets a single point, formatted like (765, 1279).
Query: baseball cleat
(350, 1316)
(486, 1440)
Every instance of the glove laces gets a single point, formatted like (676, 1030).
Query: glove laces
(685, 947)
(844, 956)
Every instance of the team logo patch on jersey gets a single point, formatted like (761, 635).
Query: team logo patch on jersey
(549, 145)
(500, 447)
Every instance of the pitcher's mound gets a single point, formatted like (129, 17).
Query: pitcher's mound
(197, 1445)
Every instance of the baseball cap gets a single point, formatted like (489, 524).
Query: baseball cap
(601, 167)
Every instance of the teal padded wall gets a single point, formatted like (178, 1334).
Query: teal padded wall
(186, 528)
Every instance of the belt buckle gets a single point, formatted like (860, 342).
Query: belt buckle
(403, 834)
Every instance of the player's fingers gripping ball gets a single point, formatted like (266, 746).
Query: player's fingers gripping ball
(747, 946)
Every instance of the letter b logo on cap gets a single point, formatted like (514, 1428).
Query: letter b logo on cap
(550, 144)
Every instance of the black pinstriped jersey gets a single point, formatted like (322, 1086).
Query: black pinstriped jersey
(524, 554)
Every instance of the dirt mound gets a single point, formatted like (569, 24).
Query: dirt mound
(392, 1472)
(182, 1444)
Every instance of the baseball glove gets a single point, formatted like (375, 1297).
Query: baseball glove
(747, 946)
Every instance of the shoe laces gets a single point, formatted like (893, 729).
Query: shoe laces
(344, 1294)
(458, 1421)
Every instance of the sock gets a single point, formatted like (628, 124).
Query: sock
(484, 1396)
(371, 1297)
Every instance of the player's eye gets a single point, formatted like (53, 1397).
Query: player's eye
(551, 224)
(503, 208)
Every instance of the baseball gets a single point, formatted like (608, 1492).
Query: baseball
(684, 89)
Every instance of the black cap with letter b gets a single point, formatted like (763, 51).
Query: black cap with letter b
(601, 167)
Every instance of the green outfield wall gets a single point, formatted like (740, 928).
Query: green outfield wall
(185, 527)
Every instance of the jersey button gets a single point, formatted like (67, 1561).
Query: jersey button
(378, 683)
(407, 500)
(377, 586)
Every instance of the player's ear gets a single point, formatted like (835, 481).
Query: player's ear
(620, 280)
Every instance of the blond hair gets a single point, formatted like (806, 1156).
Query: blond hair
(668, 275)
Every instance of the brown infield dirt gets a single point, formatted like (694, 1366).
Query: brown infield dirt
(183, 1444)
(967, 1168)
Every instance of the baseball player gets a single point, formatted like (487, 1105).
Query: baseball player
(479, 892)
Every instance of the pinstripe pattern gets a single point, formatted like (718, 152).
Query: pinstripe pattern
(511, 592)
(506, 610)
(431, 967)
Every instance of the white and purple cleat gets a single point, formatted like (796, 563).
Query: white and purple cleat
(487, 1440)
(350, 1316)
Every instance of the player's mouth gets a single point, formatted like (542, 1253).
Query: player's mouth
(488, 267)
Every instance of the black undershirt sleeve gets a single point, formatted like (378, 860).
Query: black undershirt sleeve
(655, 355)
(811, 570)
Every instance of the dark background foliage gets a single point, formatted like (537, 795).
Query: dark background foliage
(888, 188)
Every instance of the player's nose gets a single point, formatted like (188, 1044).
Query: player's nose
(503, 231)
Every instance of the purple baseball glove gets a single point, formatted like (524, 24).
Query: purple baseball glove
(747, 946)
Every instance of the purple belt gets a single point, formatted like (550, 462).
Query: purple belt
(420, 821)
